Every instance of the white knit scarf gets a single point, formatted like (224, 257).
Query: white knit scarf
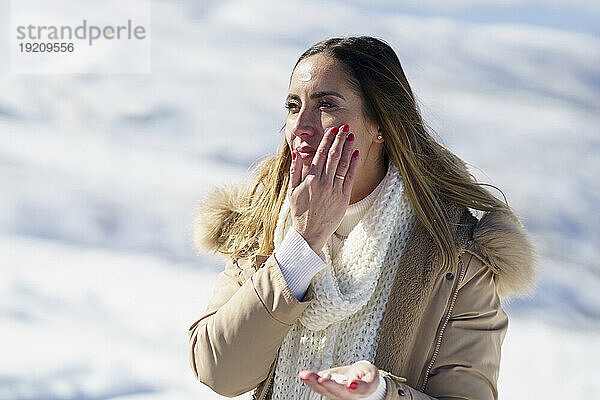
(340, 326)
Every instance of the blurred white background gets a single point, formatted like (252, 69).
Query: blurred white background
(98, 279)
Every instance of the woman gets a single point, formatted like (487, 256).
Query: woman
(354, 266)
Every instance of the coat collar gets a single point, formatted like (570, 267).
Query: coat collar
(413, 287)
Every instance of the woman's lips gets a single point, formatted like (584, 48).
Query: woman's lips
(306, 151)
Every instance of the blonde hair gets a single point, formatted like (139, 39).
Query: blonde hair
(429, 170)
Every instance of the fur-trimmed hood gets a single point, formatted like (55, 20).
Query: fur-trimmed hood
(499, 239)
(213, 216)
(502, 243)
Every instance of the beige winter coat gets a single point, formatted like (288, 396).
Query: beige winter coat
(441, 333)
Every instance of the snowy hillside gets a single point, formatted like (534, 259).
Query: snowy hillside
(98, 280)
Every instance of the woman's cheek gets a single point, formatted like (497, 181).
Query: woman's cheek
(288, 139)
(328, 120)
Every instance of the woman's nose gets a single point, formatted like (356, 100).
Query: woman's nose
(304, 125)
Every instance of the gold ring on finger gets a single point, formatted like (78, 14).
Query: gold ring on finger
(339, 176)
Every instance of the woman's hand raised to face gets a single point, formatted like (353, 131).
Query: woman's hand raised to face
(318, 200)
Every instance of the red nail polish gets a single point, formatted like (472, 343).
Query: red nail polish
(293, 155)
(334, 129)
(345, 128)
(353, 385)
(355, 154)
(351, 137)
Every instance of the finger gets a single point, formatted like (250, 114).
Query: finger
(335, 154)
(355, 383)
(343, 391)
(295, 171)
(351, 173)
(339, 378)
(355, 375)
(324, 376)
(369, 376)
(337, 374)
(364, 371)
(360, 387)
(320, 157)
(336, 370)
(313, 384)
(344, 163)
(307, 375)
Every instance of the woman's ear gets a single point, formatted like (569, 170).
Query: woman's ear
(379, 136)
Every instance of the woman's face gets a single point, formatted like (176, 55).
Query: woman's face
(319, 97)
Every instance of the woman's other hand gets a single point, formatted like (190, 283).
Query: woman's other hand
(318, 201)
(362, 379)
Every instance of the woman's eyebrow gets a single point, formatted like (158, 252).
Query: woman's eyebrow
(316, 95)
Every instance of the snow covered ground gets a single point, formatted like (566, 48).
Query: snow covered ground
(98, 280)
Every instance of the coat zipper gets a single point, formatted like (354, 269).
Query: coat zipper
(446, 319)
(267, 386)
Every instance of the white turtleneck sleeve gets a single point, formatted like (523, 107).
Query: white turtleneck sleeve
(298, 262)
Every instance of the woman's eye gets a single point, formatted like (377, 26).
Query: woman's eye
(326, 104)
(290, 105)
